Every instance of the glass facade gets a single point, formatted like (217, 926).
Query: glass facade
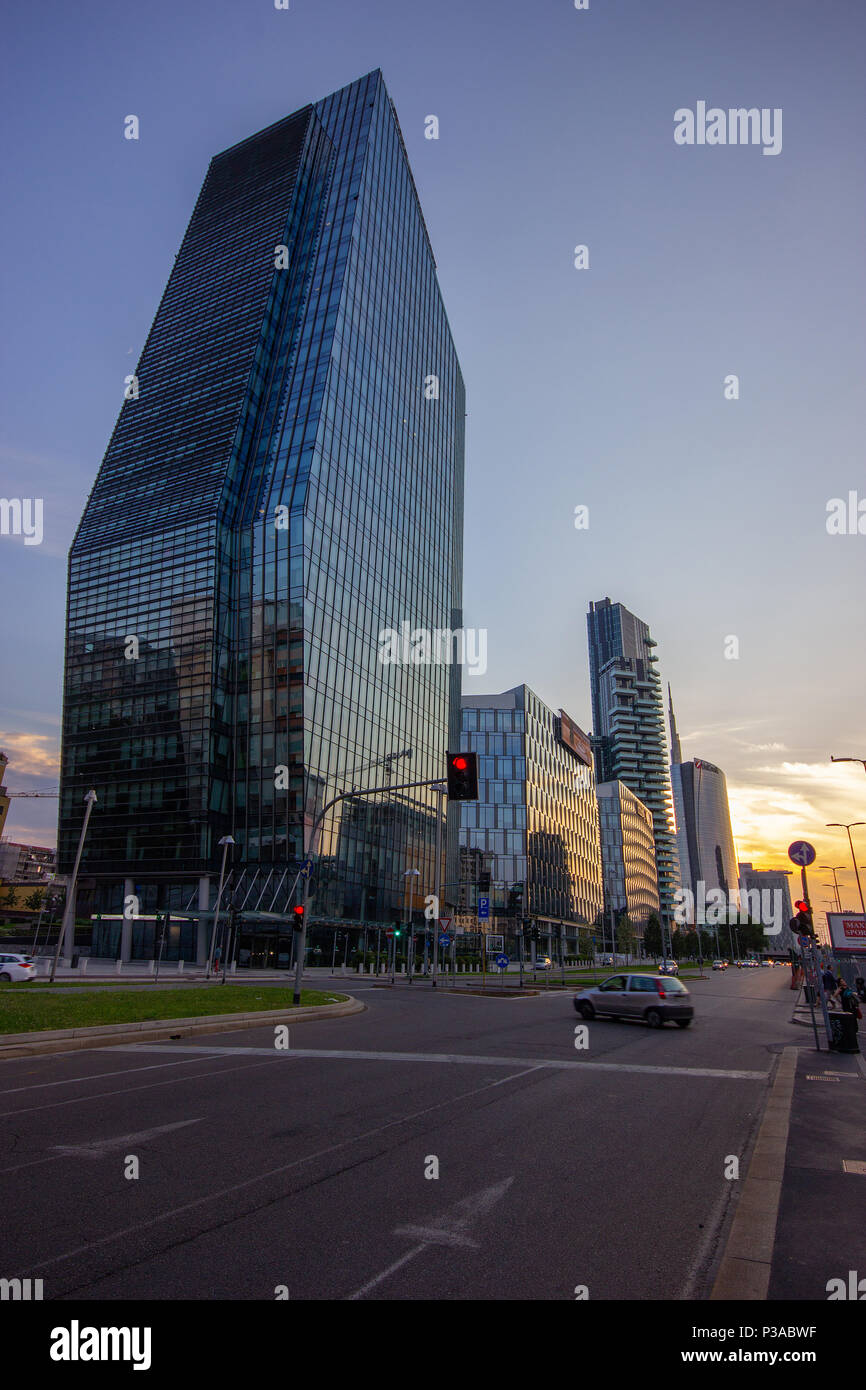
(628, 854)
(287, 483)
(628, 735)
(705, 841)
(535, 824)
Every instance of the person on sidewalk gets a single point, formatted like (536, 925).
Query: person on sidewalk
(828, 979)
(848, 1000)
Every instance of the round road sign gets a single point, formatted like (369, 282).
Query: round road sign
(802, 853)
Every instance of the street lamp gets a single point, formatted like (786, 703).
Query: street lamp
(68, 923)
(409, 873)
(225, 842)
(833, 868)
(841, 825)
(849, 760)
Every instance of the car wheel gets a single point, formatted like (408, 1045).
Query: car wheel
(585, 1010)
(683, 1022)
(6, 977)
(653, 1018)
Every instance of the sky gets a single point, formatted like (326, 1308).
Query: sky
(602, 387)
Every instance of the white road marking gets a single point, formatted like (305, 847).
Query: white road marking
(99, 1147)
(854, 1165)
(449, 1229)
(222, 1193)
(462, 1059)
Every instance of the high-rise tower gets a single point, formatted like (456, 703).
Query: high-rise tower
(628, 725)
(285, 481)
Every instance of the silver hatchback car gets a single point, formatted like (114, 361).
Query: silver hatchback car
(652, 998)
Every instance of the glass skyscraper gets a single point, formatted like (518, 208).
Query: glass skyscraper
(534, 828)
(628, 727)
(285, 481)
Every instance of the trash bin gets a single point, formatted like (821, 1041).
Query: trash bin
(843, 1033)
(76, 956)
(810, 994)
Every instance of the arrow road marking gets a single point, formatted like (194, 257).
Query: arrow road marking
(444, 1230)
(99, 1147)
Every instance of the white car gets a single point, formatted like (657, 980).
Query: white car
(543, 963)
(16, 968)
(720, 965)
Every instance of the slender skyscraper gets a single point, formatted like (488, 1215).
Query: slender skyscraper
(285, 481)
(628, 732)
(705, 842)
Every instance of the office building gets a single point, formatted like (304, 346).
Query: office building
(628, 857)
(284, 482)
(628, 735)
(705, 841)
(534, 828)
(775, 890)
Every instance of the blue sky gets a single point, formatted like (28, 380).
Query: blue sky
(601, 387)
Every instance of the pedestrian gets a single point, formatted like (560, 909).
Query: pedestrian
(848, 1000)
(216, 961)
(828, 980)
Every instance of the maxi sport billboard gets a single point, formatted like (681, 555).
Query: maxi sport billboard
(847, 931)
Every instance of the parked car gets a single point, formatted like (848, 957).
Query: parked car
(654, 999)
(15, 967)
(720, 965)
(669, 967)
(608, 960)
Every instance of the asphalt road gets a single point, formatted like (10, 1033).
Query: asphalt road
(557, 1168)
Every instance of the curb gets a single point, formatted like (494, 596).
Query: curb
(744, 1272)
(74, 1039)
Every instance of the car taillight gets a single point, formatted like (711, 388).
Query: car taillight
(660, 986)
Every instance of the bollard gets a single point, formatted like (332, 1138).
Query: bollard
(82, 965)
(180, 967)
(118, 965)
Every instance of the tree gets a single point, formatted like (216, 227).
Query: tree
(34, 902)
(625, 935)
(8, 899)
(652, 936)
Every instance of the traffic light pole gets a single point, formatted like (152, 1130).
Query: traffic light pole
(310, 850)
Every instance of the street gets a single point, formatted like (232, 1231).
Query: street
(558, 1169)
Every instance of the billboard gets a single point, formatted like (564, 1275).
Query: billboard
(847, 931)
(574, 738)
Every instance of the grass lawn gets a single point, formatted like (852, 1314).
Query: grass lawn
(24, 1012)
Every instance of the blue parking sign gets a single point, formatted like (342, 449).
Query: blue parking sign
(484, 909)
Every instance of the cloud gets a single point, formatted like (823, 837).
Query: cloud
(37, 755)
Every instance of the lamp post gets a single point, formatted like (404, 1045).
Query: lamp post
(849, 760)
(841, 825)
(225, 842)
(408, 874)
(835, 884)
(67, 924)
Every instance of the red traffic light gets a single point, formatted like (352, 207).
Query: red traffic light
(298, 911)
(802, 906)
(462, 776)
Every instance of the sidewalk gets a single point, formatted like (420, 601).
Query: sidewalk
(822, 1211)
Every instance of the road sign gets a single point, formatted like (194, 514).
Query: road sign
(502, 962)
(802, 853)
(389, 931)
(493, 943)
(483, 909)
(445, 924)
(444, 941)
(306, 868)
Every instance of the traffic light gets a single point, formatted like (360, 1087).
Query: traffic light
(802, 923)
(462, 776)
(484, 882)
(298, 913)
(515, 899)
